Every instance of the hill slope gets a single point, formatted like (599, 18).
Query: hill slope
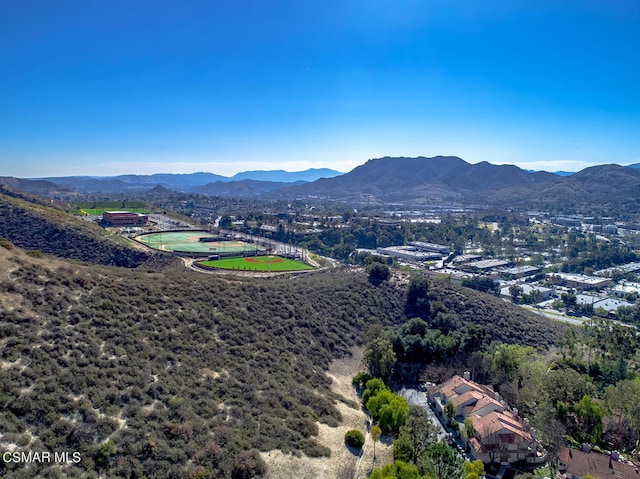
(181, 371)
(29, 224)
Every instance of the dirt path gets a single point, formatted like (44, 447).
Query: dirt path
(343, 463)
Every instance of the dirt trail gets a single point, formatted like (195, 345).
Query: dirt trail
(343, 463)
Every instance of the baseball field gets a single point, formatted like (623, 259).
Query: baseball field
(189, 242)
(258, 263)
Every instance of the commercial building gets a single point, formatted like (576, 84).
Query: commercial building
(123, 218)
(486, 265)
(435, 248)
(580, 281)
(621, 268)
(544, 293)
(409, 253)
(518, 272)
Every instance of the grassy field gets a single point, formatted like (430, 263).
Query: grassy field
(97, 208)
(258, 263)
(189, 241)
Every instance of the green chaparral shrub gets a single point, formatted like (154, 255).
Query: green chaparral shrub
(354, 438)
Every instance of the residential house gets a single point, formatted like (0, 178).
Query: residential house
(575, 464)
(500, 435)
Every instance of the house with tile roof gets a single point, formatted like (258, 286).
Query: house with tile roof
(575, 464)
(500, 435)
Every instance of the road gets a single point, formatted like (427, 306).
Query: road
(415, 397)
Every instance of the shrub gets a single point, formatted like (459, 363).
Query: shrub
(354, 438)
(360, 379)
(5, 243)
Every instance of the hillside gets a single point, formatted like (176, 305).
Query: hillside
(241, 188)
(613, 186)
(30, 224)
(169, 372)
(35, 187)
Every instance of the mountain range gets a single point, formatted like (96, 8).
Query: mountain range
(441, 180)
(451, 181)
(247, 183)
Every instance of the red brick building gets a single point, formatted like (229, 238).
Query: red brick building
(123, 218)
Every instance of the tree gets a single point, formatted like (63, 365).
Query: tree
(622, 400)
(449, 411)
(379, 358)
(569, 299)
(590, 416)
(566, 386)
(396, 470)
(474, 470)
(389, 409)
(372, 388)
(417, 434)
(417, 303)
(393, 415)
(378, 273)
(515, 291)
(442, 462)
(551, 433)
(376, 432)
(469, 430)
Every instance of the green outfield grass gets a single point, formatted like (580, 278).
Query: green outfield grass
(99, 207)
(259, 263)
(189, 242)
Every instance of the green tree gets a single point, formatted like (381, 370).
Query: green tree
(449, 411)
(417, 303)
(515, 291)
(372, 388)
(376, 432)
(469, 429)
(474, 470)
(378, 273)
(397, 470)
(417, 434)
(379, 358)
(390, 410)
(442, 462)
(590, 415)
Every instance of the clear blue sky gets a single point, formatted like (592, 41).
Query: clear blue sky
(104, 87)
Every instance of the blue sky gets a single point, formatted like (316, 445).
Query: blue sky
(113, 87)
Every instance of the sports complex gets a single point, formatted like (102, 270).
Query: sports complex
(221, 252)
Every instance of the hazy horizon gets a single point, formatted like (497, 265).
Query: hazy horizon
(278, 169)
(102, 89)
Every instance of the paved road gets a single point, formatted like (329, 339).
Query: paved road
(415, 397)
